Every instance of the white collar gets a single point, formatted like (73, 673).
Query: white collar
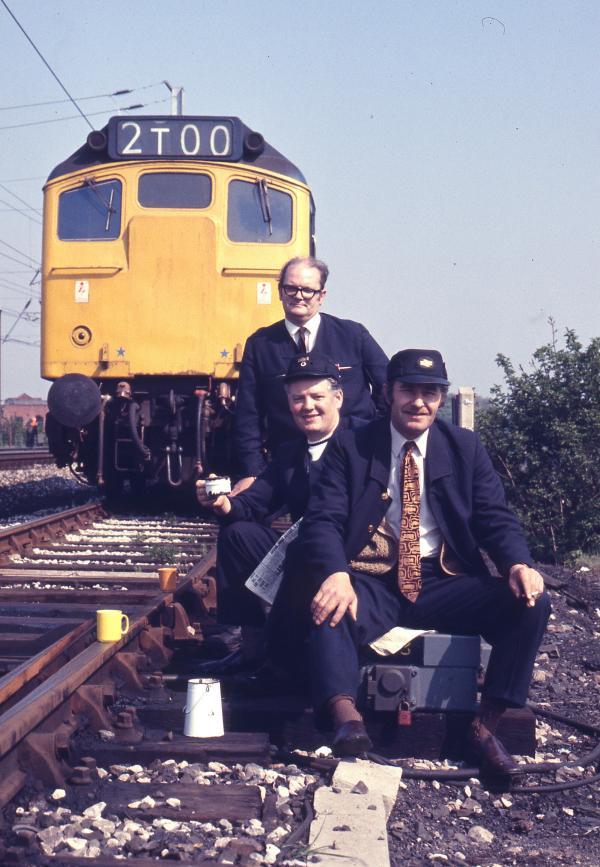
(312, 326)
(398, 442)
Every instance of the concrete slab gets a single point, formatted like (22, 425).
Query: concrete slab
(349, 828)
(382, 779)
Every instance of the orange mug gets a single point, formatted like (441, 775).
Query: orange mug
(167, 578)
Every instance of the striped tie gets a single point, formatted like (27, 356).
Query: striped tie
(409, 557)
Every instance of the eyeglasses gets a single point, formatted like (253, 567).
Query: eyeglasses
(305, 291)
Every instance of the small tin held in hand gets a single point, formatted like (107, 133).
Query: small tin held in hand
(216, 486)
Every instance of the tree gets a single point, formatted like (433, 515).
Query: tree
(543, 434)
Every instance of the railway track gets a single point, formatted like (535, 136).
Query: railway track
(57, 681)
(90, 729)
(54, 574)
(16, 458)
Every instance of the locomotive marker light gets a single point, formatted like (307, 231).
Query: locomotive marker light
(254, 144)
(96, 140)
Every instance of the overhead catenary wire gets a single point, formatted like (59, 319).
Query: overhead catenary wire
(92, 114)
(22, 180)
(44, 61)
(19, 199)
(20, 252)
(20, 290)
(12, 258)
(121, 92)
(27, 317)
(23, 213)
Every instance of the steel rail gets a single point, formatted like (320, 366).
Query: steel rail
(30, 712)
(13, 540)
(15, 458)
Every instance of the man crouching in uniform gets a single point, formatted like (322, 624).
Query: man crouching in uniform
(314, 395)
(391, 537)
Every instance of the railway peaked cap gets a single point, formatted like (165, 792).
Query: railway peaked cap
(416, 366)
(313, 365)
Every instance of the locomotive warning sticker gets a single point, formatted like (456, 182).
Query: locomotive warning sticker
(263, 293)
(82, 291)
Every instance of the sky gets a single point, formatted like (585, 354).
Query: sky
(451, 148)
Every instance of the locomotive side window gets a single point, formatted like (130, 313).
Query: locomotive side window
(174, 190)
(91, 212)
(257, 213)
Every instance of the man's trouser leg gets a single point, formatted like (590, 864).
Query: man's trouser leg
(484, 605)
(333, 651)
(290, 620)
(240, 548)
(461, 605)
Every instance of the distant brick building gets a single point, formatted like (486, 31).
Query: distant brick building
(16, 411)
(24, 407)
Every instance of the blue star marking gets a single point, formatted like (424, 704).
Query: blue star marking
(120, 352)
(224, 353)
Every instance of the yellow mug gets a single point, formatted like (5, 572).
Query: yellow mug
(167, 578)
(111, 625)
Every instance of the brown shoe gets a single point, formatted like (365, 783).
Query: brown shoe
(351, 739)
(490, 755)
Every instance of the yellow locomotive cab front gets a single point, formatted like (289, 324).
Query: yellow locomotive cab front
(156, 267)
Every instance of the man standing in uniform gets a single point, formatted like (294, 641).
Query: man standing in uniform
(262, 410)
(391, 537)
(314, 395)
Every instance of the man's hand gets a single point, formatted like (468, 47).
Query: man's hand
(220, 505)
(526, 583)
(241, 485)
(336, 594)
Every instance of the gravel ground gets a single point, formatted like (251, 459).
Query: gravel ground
(27, 494)
(82, 822)
(466, 823)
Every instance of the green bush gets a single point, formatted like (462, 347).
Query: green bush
(542, 430)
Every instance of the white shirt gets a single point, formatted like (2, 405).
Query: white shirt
(429, 533)
(310, 335)
(315, 450)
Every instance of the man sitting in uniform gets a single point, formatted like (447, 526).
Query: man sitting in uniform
(391, 537)
(314, 396)
(261, 408)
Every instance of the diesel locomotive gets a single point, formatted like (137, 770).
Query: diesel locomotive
(163, 240)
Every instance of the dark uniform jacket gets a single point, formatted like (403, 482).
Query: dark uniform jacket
(464, 491)
(283, 486)
(262, 403)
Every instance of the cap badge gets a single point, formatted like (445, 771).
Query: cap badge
(425, 362)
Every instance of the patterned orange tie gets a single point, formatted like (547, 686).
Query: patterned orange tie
(409, 556)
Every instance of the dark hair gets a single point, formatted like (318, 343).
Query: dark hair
(309, 262)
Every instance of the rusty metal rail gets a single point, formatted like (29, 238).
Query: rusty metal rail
(14, 458)
(69, 677)
(17, 539)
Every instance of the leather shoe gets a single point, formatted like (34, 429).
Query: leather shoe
(490, 755)
(351, 739)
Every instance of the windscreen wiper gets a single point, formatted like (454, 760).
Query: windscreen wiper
(265, 206)
(93, 185)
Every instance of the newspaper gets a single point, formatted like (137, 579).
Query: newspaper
(266, 578)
